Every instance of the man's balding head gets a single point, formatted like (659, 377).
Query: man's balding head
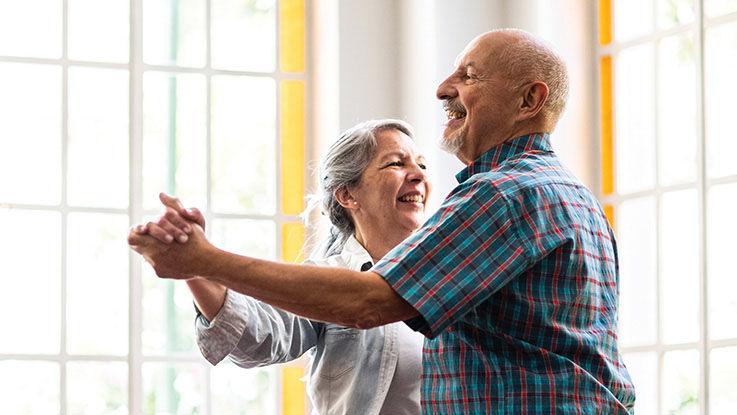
(507, 83)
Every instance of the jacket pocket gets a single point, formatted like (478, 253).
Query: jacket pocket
(341, 352)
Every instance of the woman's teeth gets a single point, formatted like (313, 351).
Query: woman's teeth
(413, 198)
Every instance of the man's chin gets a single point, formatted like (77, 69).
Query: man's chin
(451, 144)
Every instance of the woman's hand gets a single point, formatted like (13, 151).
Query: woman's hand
(174, 224)
(179, 261)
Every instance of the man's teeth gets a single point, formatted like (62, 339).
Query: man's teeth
(413, 198)
(454, 114)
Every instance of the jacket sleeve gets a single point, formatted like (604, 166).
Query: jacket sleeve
(252, 333)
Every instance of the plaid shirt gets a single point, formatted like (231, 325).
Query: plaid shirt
(515, 279)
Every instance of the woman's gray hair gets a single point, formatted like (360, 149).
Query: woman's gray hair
(342, 168)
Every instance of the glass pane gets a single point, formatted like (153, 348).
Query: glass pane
(677, 109)
(637, 265)
(714, 8)
(243, 391)
(722, 227)
(632, 18)
(174, 32)
(97, 388)
(29, 388)
(723, 381)
(97, 284)
(173, 389)
(675, 12)
(168, 316)
(255, 238)
(244, 35)
(30, 243)
(174, 138)
(26, 32)
(98, 137)
(243, 145)
(634, 119)
(719, 63)
(643, 368)
(30, 120)
(680, 383)
(98, 30)
(679, 266)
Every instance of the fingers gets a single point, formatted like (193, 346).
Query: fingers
(195, 215)
(166, 232)
(171, 202)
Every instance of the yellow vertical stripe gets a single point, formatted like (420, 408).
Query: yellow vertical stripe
(605, 22)
(292, 35)
(292, 239)
(293, 390)
(292, 146)
(607, 151)
(609, 212)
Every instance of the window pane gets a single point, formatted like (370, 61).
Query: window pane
(29, 388)
(256, 238)
(680, 383)
(677, 109)
(675, 12)
(174, 122)
(637, 259)
(98, 137)
(243, 391)
(173, 389)
(26, 32)
(244, 35)
(97, 388)
(719, 63)
(714, 8)
(722, 228)
(31, 258)
(98, 30)
(723, 381)
(243, 145)
(168, 316)
(30, 133)
(632, 18)
(643, 368)
(174, 33)
(97, 284)
(634, 119)
(679, 266)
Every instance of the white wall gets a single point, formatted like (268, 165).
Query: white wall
(392, 54)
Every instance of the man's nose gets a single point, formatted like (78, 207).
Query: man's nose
(446, 90)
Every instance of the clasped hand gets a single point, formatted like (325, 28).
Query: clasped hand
(175, 244)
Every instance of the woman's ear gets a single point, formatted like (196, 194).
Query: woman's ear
(345, 198)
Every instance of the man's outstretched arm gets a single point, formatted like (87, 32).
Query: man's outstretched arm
(350, 298)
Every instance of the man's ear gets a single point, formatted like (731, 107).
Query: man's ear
(534, 96)
(344, 198)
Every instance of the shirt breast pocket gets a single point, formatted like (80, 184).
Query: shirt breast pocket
(341, 352)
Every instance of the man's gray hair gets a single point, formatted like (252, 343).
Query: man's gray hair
(532, 59)
(342, 168)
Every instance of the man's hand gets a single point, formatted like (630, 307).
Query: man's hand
(174, 224)
(179, 261)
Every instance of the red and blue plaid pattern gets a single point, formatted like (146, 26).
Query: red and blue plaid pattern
(516, 278)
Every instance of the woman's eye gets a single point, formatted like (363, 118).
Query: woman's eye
(422, 166)
(394, 163)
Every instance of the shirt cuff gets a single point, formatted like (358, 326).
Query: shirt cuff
(218, 338)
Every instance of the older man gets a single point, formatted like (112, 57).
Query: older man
(513, 281)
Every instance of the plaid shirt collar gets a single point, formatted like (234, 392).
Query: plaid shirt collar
(505, 151)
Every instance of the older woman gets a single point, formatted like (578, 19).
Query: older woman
(374, 190)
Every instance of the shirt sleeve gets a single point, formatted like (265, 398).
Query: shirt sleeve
(477, 242)
(253, 333)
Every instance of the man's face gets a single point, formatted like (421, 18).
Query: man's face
(478, 102)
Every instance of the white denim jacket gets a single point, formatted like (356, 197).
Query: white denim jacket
(350, 371)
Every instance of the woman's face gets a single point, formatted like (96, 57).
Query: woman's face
(393, 189)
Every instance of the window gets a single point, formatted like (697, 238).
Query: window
(103, 105)
(669, 184)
